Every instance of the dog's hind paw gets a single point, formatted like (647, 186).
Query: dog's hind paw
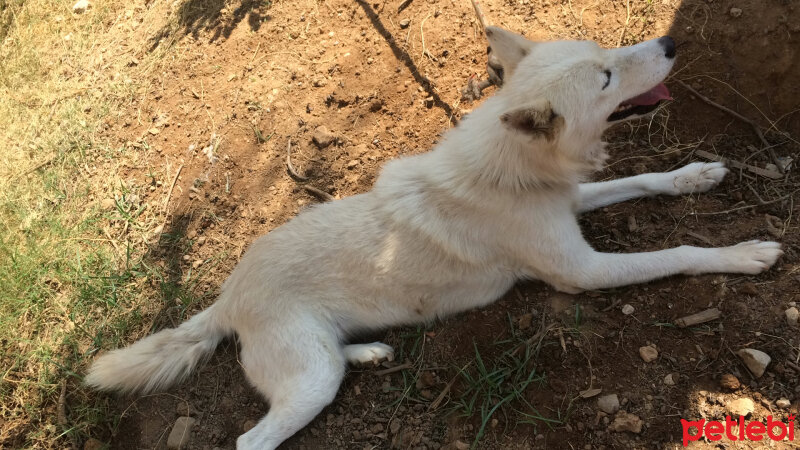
(374, 353)
(698, 177)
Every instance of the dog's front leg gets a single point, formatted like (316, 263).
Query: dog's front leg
(581, 268)
(695, 177)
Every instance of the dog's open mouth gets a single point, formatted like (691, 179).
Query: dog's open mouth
(641, 104)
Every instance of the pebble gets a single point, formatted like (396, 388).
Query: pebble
(93, 444)
(648, 353)
(525, 321)
(609, 404)
(108, 203)
(197, 263)
(792, 316)
(626, 422)
(670, 379)
(81, 7)
(627, 310)
(405, 23)
(755, 360)
(783, 403)
(729, 381)
(352, 164)
(179, 436)
(736, 12)
(322, 137)
(740, 406)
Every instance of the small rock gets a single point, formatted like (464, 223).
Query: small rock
(154, 131)
(626, 422)
(729, 382)
(322, 137)
(179, 435)
(755, 360)
(197, 263)
(627, 309)
(671, 379)
(748, 288)
(740, 407)
(648, 353)
(376, 105)
(783, 403)
(108, 203)
(352, 164)
(792, 316)
(632, 225)
(426, 380)
(608, 403)
(93, 444)
(321, 82)
(429, 102)
(525, 321)
(81, 7)
(460, 445)
(405, 23)
(736, 12)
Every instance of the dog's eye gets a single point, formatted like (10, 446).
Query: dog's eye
(608, 78)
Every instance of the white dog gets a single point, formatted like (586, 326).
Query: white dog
(441, 232)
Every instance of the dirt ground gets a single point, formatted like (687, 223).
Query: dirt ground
(249, 77)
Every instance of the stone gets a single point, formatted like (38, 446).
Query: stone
(626, 422)
(81, 7)
(740, 407)
(627, 310)
(736, 12)
(405, 23)
(181, 431)
(755, 360)
(93, 444)
(729, 382)
(322, 137)
(792, 316)
(648, 353)
(783, 403)
(609, 404)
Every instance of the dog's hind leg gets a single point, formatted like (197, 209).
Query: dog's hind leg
(368, 353)
(298, 370)
(695, 177)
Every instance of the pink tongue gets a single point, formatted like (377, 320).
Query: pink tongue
(650, 97)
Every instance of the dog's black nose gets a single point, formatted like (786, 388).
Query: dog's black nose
(669, 46)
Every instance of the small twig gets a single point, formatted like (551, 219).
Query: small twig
(404, 5)
(627, 21)
(701, 317)
(394, 369)
(739, 165)
(755, 126)
(481, 17)
(422, 34)
(293, 173)
(728, 211)
(613, 305)
(319, 193)
(171, 188)
(62, 405)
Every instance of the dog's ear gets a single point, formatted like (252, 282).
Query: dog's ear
(509, 48)
(536, 120)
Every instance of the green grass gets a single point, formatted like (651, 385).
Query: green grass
(497, 386)
(74, 277)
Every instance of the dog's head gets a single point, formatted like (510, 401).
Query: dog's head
(571, 91)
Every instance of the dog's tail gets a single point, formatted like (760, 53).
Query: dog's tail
(161, 359)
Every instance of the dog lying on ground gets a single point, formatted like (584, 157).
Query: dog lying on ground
(441, 232)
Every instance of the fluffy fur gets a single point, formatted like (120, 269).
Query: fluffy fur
(442, 232)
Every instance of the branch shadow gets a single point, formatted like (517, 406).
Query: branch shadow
(195, 16)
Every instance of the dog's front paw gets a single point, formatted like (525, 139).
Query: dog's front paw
(698, 177)
(752, 257)
(374, 353)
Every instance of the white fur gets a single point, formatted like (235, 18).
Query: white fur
(441, 232)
